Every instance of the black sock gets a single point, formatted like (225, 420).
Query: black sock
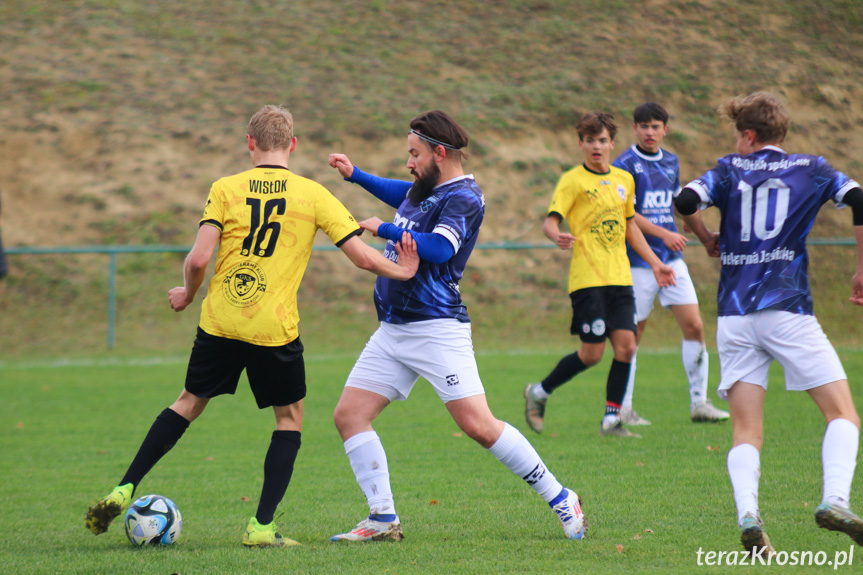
(163, 435)
(566, 369)
(615, 388)
(278, 467)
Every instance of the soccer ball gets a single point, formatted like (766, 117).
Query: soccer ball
(153, 520)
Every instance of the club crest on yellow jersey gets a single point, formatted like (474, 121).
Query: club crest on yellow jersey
(608, 228)
(244, 284)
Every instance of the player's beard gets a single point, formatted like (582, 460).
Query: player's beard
(424, 185)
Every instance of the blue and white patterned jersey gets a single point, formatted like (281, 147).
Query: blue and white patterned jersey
(455, 210)
(657, 183)
(768, 200)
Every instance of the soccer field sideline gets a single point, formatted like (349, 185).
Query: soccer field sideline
(310, 357)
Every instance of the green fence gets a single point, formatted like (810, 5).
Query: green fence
(113, 251)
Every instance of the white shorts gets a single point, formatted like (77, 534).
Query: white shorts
(646, 289)
(440, 350)
(748, 344)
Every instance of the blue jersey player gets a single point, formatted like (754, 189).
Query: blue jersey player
(425, 330)
(768, 200)
(656, 172)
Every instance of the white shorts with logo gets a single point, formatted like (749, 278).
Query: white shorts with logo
(646, 289)
(748, 344)
(440, 350)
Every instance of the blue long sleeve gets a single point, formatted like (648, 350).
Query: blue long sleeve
(391, 192)
(433, 248)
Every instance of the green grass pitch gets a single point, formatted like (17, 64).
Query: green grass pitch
(69, 432)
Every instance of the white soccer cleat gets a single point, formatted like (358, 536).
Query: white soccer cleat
(614, 427)
(370, 530)
(629, 416)
(706, 411)
(569, 512)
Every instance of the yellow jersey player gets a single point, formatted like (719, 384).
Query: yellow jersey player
(596, 200)
(263, 222)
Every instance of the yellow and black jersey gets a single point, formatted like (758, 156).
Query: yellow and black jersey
(596, 207)
(268, 217)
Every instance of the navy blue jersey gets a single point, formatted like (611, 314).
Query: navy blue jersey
(657, 183)
(768, 200)
(455, 211)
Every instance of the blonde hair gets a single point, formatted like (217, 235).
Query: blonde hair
(761, 112)
(272, 128)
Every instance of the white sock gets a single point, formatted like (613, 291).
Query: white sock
(744, 468)
(369, 462)
(515, 451)
(696, 362)
(839, 458)
(630, 385)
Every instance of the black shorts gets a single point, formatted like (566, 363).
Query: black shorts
(277, 375)
(597, 311)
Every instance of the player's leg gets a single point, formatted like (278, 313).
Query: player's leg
(838, 458)
(746, 402)
(696, 362)
(745, 366)
(620, 319)
(354, 414)
(536, 394)
(645, 290)
(164, 433)
(811, 364)
(588, 323)
(376, 379)
(214, 368)
(511, 448)
(623, 343)
(277, 377)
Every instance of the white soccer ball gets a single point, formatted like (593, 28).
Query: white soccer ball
(153, 520)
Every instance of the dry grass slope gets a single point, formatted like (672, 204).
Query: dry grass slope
(119, 113)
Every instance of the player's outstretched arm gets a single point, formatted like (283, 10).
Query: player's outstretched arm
(551, 229)
(672, 240)
(391, 192)
(367, 258)
(664, 274)
(195, 267)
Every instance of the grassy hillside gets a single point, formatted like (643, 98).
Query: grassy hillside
(119, 113)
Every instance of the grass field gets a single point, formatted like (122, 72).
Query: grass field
(70, 429)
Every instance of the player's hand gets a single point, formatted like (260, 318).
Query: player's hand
(372, 225)
(342, 164)
(664, 275)
(712, 247)
(857, 289)
(565, 241)
(409, 259)
(675, 242)
(179, 298)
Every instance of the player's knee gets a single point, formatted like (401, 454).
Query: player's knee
(590, 357)
(693, 330)
(483, 434)
(625, 351)
(341, 416)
